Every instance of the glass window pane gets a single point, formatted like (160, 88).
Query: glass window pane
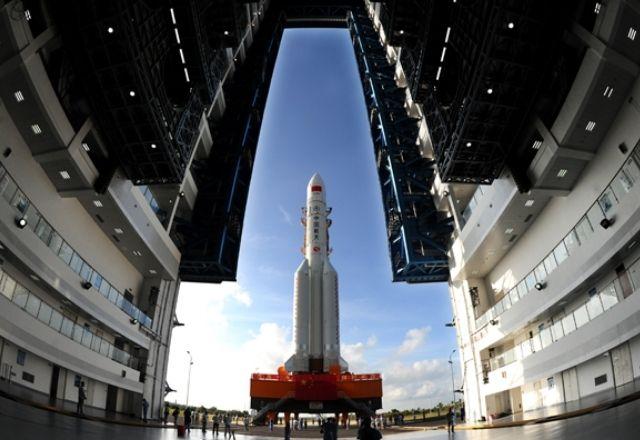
(581, 316)
(571, 242)
(609, 297)
(607, 201)
(113, 295)
(20, 296)
(76, 263)
(545, 337)
(630, 168)
(7, 286)
(621, 184)
(560, 252)
(513, 294)
(86, 338)
(20, 202)
(56, 320)
(104, 348)
(557, 331)
(594, 306)
(541, 273)
(568, 324)
(550, 263)
(595, 214)
(96, 280)
(33, 217)
(43, 230)
(55, 242)
(67, 327)
(522, 289)
(584, 230)
(65, 252)
(9, 190)
(78, 331)
(104, 288)
(33, 305)
(530, 281)
(95, 343)
(85, 271)
(44, 314)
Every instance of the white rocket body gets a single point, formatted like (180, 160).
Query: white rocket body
(316, 330)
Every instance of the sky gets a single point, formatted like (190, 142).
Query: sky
(315, 121)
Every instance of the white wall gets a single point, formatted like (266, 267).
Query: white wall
(38, 367)
(591, 369)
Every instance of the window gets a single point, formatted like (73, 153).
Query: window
(7, 286)
(20, 202)
(43, 230)
(56, 320)
(33, 305)
(607, 200)
(65, 252)
(599, 380)
(560, 252)
(531, 281)
(20, 296)
(541, 273)
(44, 314)
(76, 263)
(551, 382)
(550, 263)
(21, 358)
(571, 241)
(55, 242)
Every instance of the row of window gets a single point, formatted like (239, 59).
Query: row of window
(597, 304)
(16, 198)
(47, 314)
(627, 177)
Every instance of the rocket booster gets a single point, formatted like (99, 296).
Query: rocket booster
(316, 327)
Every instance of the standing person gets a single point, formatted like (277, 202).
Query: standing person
(145, 409)
(270, 424)
(187, 418)
(287, 431)
(246, 423)
(366, 432)
(175, 414)
(227, 425)
(216, 424)
(165, 414)
(205, 416)
(462, 414)
(451, 419)
(82, 396)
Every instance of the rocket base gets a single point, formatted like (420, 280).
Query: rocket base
(315, 393)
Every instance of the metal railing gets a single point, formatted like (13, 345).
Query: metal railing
(35, 222)
(27, 301)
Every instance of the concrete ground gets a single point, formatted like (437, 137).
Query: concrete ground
(22, 422)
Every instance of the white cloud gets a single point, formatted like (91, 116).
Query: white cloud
(413, 339)
(285, 215)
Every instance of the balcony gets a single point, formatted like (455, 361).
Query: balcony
(41, 329)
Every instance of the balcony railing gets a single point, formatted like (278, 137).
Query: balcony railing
(596, 305)
(24, 299)
(10, 191)
(623, 188)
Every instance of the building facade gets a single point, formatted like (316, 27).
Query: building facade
(89, 258)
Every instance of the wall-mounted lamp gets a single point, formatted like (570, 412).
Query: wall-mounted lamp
(86, 284)
(606, 222)
(21, 222)
(493, 322)
(540, 286)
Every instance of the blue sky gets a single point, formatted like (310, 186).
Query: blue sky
(315, 121)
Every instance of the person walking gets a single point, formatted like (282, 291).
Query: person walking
(175, 414)
(187, 418)
(145, 409)
(451, 419)
(270, 424)
(165, 414)
(462, 414)
(82, 396)
(227, 425)
(287, 431)
(366, 432)
(205, 416)
(216, 424)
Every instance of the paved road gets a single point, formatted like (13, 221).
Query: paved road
(19, 422)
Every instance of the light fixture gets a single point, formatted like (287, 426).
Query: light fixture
(19, 96)
(152, 271)
(511, 25)
(493, 322)
(489, 91)
(177, 35)
(36, 129)
(445, 193)
(590, 126)
(226, 32)
(562, 172)
(27, 14)
(536, 145)
(631, 35)
(97, 203)
(540, 286)
(186, 72)
(608, 91)
(401, 32)
(110, 30)
(606, 223)
(133, 321)
(137, 253)
(118, 231)
(468, 144)
(86, 285)
(132, 93)
(85, 146)
(529, 203)
(154, 146)
(181, 194)
(173, 16)
(65, 174)
(508, 231)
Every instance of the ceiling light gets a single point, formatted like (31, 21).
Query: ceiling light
(508, 231)
(97, 203)
(173, 16)
(21, 222)
(468, 144)
(177, 35)
(132, 93)
(182, 56)
(27, 14)
(19, 96)
(401, 32)
(529, 202)
(186, 72)
(110, 30)
(137, 253)
(152, 272)
(511, 25)
(36, 129)
(438, 73)
(154, 146)
(444, 51)
(540, 286)
(562, 172)
(446, 36)
(34, 277)
(608, 91)
(590, 126)
(597, 7)
(631, 35)
(118, 231)
(489, 91)
(536, 145)
(226, 32)
(65, 175)
(85, 146)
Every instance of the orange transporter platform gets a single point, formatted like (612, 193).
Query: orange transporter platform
(316, 392)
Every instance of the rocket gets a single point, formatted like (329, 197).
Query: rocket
(316, 327)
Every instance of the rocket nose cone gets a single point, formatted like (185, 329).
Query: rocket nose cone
(316, 185)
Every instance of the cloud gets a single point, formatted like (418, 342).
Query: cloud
(354, 354)
(285, 215)
(271, 271)
(413, 339)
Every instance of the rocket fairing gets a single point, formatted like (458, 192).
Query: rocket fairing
(316, 327)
